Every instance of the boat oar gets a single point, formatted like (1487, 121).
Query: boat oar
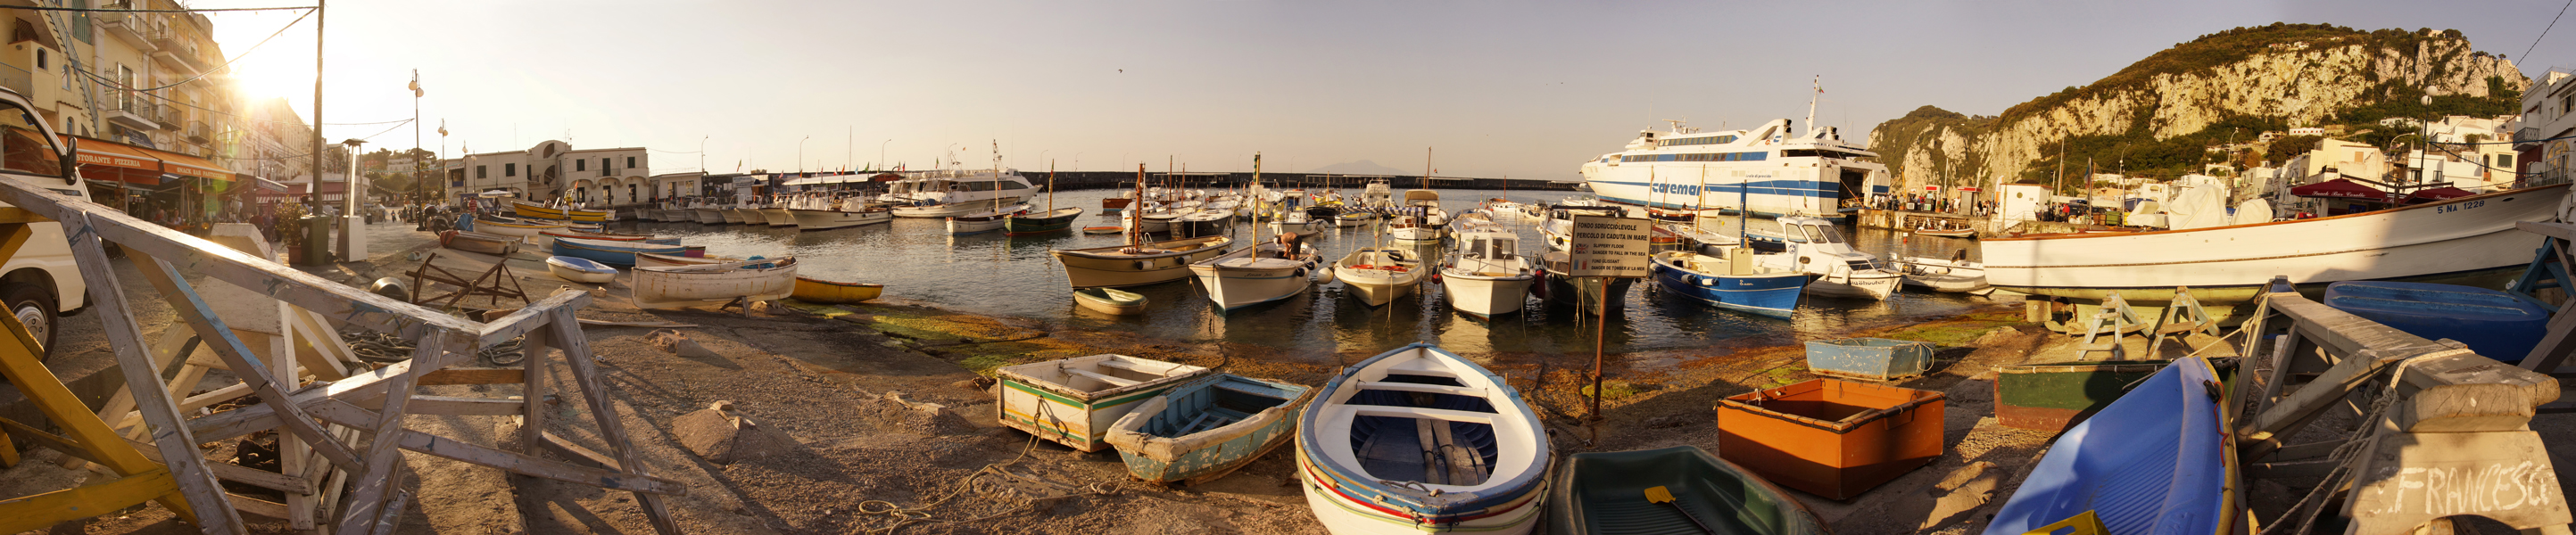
(1659, 494)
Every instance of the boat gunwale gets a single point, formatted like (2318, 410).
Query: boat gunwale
(2104, 234)
(1530, 479)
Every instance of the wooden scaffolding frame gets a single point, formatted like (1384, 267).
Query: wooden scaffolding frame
(323, 419)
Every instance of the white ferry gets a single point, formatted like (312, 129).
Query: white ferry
(952, 193)
(1817, 175)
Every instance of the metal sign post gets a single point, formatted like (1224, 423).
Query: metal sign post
(1606, 247)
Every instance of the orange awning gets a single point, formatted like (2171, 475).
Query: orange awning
(182, 164)
(115, 162)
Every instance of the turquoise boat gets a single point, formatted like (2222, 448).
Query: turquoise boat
(1607, 493)
(2159, 460)
(1205, 429)
(614, 253)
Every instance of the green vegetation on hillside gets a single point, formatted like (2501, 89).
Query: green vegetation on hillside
(2141, 154)
(2223, 48)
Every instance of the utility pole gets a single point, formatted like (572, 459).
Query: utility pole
(416, 185)
(313, 190)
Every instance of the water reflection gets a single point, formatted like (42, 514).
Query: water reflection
(993, 273)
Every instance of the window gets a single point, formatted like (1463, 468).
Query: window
(41, 63)
(24, 148)
(581, 165)
(630, 162)
(509, 169)
(2504, 161)
(480, 172)
(604, 164)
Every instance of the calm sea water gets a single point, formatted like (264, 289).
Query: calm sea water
(1014, 276)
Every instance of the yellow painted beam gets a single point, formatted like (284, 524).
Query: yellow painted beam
(18, 362)
(38, 511)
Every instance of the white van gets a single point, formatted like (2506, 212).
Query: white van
(40, 284)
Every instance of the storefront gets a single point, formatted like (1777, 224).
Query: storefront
(174, 189)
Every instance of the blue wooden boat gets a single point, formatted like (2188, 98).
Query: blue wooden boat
(2159, 460)
(1422, 440)
(1606, 493)
(2494, 323)
(614, 253)
(1205, 429)
(1733, 282)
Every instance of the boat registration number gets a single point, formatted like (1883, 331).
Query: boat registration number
(2460, 206)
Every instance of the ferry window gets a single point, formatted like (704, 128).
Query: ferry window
(25, 149)
(1756, 156)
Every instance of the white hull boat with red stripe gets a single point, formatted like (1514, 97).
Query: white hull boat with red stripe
(1419, 440)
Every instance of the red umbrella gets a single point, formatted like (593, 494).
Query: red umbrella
(2340, 188)
(2436, 194)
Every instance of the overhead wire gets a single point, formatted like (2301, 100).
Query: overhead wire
(2544, 32)
(210, 10)
(228, 64)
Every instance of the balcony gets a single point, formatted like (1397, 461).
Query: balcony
(177, 50)
(17, 79)
(132, 28)
(135, 112)
(197, 132)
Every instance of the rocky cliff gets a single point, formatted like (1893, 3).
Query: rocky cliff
(2159, 115)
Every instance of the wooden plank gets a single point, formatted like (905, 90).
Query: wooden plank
(2553, 229)
(540, 467)
(566, 445)
(2342, 333)
(312, 292)
(1430, 444)
(471, 376)
(528, 319)
(532, 392)
(2295, 412)
(2551, 354)
(329, 356)
(194, 310)
(357, 388)
(565, 333)
(384, 454)
(203, 499)
(258, 506)
(36, 512)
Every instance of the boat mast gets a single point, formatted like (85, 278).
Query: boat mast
(993, 186)
(1136, 213)
(1256, 208)
(1811, 105)
(1050, 187)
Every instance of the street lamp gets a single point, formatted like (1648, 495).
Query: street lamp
(800, 154)
(353, 243)
(881, 151)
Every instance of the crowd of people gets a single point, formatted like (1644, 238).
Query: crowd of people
(1915, 202)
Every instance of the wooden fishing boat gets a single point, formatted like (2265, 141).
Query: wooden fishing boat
(813, 290)
(983, 221)
(1380, 274)
(1950, 276)
(466, 240)
(1609, 493)
(615, 253)
(777, 215)
(609, 236)
(579, 269)
(1255, 275)
(1057, 220)
(1073, 401)
(673, 260)
(1353, 219)
(540, 211)
(514, 229)
(1947, 233)
(1207, 428)
(1732, 282)
(1137, 265)
(1587, 294)
(2053, 396)
(2161, 460)
(715, 284)
(1420, 440)
(1110, 301)
(1098, 231)
(812, 220)
(1874, 359)
(1830, 437)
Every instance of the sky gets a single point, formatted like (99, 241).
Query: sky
(1469, 88)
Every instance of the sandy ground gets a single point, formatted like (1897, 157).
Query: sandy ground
(842, 455)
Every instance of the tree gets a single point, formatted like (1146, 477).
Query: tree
(2286, 147)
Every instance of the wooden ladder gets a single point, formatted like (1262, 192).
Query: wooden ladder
(2115, 314)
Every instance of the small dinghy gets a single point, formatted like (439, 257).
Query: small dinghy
(579, 269)
(1073, 401)
(615, 253)
(2159, 460)
(813, 290)
(1956, 275)
(1206, 429)
(1110, 301)
(1677, 490)
(1421, 440)
(1103, 230)
(466, 240)
(745, 281)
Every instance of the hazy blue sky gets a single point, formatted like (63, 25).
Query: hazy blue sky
(1527, 90)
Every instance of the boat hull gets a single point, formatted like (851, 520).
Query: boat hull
(1111, 302)
(709, 216)
(2054, 396)
(810, 220)
(943, 210)
(478, 242)
(830, 292)
(1203, 456)
(1597, 492)
(732, 216)
(961, 226)
(661, 288)
(752, 216)
(514, 230)
(1034, 401)
(1365, 465)
(778, 217)
(525, 209)
(570, 272)
(611, 253)
(1587, 294)
(1485, 296)
(1087, 270)
(2458, 236)
(1239, 280)
(1875, 284)
(2184, 481)
(1058, 221)
(1770, 295)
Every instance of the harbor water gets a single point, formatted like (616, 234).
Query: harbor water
(994, 274)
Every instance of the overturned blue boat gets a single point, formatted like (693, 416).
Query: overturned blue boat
(2159, 460)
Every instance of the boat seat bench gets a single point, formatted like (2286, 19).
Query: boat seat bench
(1419, 387)
(1105, 378)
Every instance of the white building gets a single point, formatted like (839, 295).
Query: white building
(2021, 202)
(553, 170)
(2548, 116)
(675, 184)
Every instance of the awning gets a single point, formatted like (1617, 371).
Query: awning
(2436, 194)
(109, 161)
(270, 185)
(2341, 189)
(185, 165)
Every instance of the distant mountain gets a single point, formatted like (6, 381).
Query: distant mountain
(1362, 167)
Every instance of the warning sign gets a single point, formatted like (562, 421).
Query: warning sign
(1610, 246)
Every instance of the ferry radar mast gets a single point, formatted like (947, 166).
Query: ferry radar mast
(1679, 129)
